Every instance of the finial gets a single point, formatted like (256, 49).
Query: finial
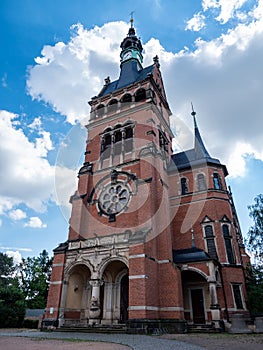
(156, 61)
(131, 19)
(193, 238)
(193, 114)
(107, 80)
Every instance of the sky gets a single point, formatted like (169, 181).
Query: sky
(54, 57)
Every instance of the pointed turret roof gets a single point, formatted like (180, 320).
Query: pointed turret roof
(197, 156)
(199, 147)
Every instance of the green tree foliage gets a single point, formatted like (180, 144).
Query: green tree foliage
(255, 289)
(254, 243)
(34, 276)
(12, 305)
(255, 233)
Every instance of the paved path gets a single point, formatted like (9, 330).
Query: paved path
(136, 342)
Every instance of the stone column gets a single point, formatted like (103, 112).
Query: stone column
(214, 307)
(62, 304)
(94, 308)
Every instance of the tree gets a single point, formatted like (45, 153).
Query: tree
(12, 305)
(255, 289)
(255, 234)
(35, 276)
(254, 243)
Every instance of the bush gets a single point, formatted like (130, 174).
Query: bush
(33, 324)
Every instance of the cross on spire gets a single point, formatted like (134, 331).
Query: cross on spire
(131, 19)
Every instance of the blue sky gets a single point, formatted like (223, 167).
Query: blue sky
(55, 55)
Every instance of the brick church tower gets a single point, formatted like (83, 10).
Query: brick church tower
(154, 239)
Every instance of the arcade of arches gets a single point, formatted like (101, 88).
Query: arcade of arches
(103, 300)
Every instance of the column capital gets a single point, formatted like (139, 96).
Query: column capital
(96, 283)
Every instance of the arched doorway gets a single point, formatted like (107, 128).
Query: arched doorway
(115, 293)
(77, 294)
(196, 297)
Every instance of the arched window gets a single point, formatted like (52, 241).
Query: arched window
(112, 105)
(126, 98)
(210, 242)
(184, 187)
(201, 183)
(140, 95)
(106, 143)
(217, 181)
(100, 110)
(228, 244)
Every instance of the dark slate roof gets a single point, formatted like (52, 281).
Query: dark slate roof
(196, 156)
(129, 75)
(189, 159)
(189, 255)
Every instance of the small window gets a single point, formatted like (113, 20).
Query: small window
(217, 181)
(184, 187)
(210, 242)
(201, 184)
(117, 142)
(128, 139)
(126, 98)
(140, 95)
(112, 106)
(100, 110)
(237, 296)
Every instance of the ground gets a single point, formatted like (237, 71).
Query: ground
(34, 340)
(221, 341)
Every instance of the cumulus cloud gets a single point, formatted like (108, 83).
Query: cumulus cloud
(196, 23)
(222, 77)
(27, 177)
(228, 8)
(16, 255)
(35, 222)
(68, 75)
(17, 214)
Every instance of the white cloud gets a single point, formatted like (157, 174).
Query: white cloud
(35, 222)
(36, 124)
(28, 176)
(16, 255)
(17, 214)
(228, 8)
(68, 75)
(196, 23)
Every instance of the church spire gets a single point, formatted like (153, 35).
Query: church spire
(199, 147)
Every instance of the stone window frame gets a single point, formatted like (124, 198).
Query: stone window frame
(210, 238)
(238, 296)
(116, 140)
(228, 240)
(201, 185)
(184, 190)
(217, 181)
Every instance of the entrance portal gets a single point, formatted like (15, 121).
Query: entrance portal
(115, 294)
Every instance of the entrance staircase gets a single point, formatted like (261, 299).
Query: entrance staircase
(202, 328)
(113, 328)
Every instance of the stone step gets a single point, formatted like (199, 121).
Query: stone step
(94, 329)
(201, 328)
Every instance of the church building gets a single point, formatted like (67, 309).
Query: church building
(154, 239)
